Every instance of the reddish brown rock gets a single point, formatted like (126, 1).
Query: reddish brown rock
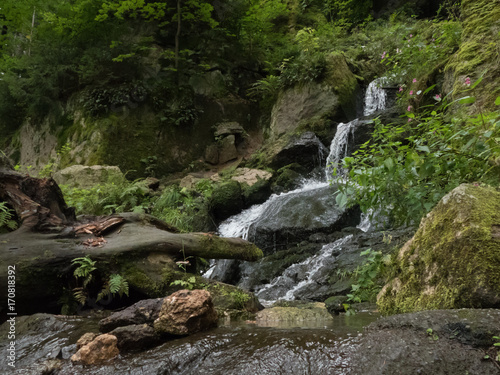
(101, 349)
(87, 338)
(186, 312)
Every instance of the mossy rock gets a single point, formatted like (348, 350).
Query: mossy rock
(226, 200)
(478, 53)
(453, 261)
(257, 193)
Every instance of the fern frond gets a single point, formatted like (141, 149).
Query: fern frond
(80, 295)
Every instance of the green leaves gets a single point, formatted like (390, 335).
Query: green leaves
(404, 177)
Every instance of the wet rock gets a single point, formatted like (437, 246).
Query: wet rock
(428, 342)
(292, 218)
(453, 261)
(85, 339)
(102, 349)
(335, 305)
(306, 150)
(294, 314)
(83, 176)
(136, 337)
(145, 311)
(186, 312)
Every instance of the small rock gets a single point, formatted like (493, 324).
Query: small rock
(145, 311)
(135, 337)
(85, 339)
(103, 348)
(186, 312)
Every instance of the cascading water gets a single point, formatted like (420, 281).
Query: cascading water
(375, 97)
(305, 274)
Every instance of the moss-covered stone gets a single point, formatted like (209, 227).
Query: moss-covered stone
(478, 52)
(453, 261)
(226, 200)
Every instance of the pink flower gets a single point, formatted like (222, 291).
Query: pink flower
(414, 80)
(383, 55)
(411, 35)
(438, 97)
(409, 119)
(409, 108)
(411, 92)
(467, 81)
(400, 89)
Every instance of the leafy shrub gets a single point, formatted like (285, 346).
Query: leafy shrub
(406, 169)
(7, 221)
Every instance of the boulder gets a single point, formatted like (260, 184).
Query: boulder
(305, 149)
(227, 149)
(291, 218)
(145, 311)
(250, 176)
(136, 337)
(297, 314)
(335, 304)
(102, 349)
(453, 261)
(186, 312)
(86, 339)
(227, 128)
(301, 103)
(226, 200)
(84, 177)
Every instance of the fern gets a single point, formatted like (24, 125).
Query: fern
(116, 284)
(6, 217)
(85, 269)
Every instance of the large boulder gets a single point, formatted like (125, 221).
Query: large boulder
(453, 261)
(226, 200)
(305, 149)
(102, 349)
(186, 312)
(290, 218)
(82, 176)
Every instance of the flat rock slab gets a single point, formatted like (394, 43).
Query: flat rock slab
(429, 342)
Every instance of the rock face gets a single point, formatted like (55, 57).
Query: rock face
(102, 349)
(186, 312)
(83, 176)
(453, 261)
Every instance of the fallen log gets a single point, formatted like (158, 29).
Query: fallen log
(138, 246)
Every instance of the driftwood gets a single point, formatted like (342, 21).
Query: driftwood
(49, 237)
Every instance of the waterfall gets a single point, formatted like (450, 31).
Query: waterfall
(339, 147)
(301, 275)
(297, 279)
(375, 97)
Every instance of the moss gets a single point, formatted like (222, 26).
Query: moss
(453, 261)
(221, 249)
(478, 51)
(226, 199)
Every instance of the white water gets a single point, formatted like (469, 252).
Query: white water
(375, 97)
(300, 274)
(339, 148)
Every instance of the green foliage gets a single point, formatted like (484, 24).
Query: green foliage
(366, 286)
(190, 283)
(348, 13)
(106, 199)
(407, 168)
(7, 221)
(115, 284)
